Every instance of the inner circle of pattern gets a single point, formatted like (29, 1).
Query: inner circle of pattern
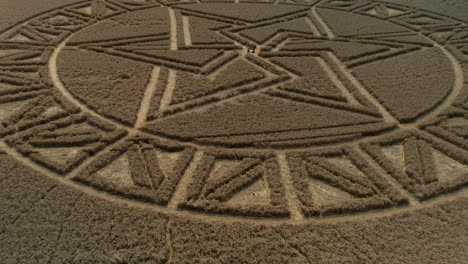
(363, 132)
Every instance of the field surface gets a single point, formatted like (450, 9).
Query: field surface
(217, 131)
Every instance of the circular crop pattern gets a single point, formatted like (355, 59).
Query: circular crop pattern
(281, 109)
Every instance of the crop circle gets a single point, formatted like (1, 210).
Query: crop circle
(301, 110)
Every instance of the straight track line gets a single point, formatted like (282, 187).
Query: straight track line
(173, 29)
(291, 197)
(146, 102)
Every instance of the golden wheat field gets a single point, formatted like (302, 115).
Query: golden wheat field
(222, 131)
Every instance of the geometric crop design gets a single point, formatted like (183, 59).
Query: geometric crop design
(303, 110)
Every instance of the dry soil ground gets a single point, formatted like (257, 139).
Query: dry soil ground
(217, 131)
